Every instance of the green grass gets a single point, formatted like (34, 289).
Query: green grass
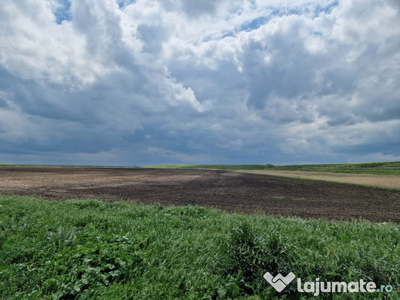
(88, 249)
(378, 168)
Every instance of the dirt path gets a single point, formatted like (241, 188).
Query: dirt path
(364, 179)
(230, 191)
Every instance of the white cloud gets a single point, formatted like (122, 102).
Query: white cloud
(35, 47)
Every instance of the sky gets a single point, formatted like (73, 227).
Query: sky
(134, 83)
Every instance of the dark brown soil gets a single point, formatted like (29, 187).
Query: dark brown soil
(229, 191)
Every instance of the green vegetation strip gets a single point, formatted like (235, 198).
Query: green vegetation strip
(96, 250)
(378, 168)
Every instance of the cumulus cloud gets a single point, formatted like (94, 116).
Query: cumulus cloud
(149, 81)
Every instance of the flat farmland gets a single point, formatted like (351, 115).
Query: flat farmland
(384, 181)
(226, 190)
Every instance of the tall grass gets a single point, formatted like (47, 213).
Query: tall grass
(97, 250)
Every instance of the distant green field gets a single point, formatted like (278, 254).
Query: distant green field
(378, 168)
(88, 249)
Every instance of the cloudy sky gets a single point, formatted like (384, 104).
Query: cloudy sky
(124, 82)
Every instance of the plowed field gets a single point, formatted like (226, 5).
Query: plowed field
(229, 191)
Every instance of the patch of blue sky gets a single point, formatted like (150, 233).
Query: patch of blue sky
(254, 24)
(258, 22)
(306, 9)
(227, 34)
(124, 3)
(326, 9)
(63, 12)
(221, 36)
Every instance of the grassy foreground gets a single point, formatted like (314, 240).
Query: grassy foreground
(88, 249)
(378, 168)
